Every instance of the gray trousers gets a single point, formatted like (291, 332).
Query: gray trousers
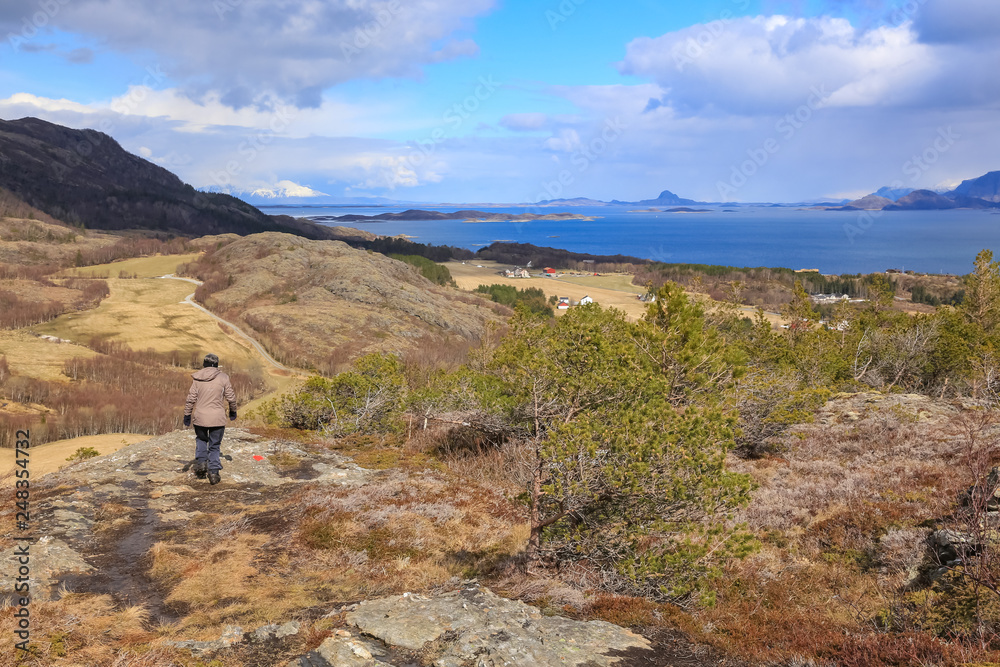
(208, 445)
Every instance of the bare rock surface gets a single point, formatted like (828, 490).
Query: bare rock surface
(93, 520)
(162, 463)
(471, 626)
(845, 408)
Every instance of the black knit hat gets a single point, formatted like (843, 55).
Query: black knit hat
(211, 360)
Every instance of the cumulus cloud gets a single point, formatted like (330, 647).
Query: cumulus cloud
(241, 149)
(767, 64)
(247, 51)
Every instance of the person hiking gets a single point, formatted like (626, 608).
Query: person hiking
(206, 405)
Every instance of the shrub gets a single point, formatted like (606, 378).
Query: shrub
(367, 399)
(532, 298)
(434, 272)
(83, 453)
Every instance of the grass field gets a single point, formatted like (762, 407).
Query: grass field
(52, 456)
(618, 281)
(614, 290)
(31, 356)
(149, 313)
(143, 267)
(609, 291)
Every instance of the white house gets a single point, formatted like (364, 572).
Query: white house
(585, 300)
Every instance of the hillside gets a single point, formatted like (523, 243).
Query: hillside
(985, 187)
(29, 237)
(83, 177)
(871, 202)
(921, 200)
(323, 303)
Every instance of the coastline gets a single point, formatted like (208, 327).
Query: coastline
(836, 242)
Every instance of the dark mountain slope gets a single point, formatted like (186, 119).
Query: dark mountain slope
(985, 187)
(86, 177)
(926, 200)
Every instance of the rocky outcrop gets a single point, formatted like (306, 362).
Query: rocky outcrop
(469, 626)
(139, 491)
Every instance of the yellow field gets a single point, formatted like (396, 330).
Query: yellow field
(615, 290)
(31, 356)
(606, 290)
(618, 281)
(149, 313)
(144, 267)
(52, 456)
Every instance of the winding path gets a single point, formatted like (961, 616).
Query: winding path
(189, 299)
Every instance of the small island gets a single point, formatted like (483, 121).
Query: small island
(465, 216)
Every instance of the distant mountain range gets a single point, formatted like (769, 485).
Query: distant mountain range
(85, 177)
(666, 198)
(981, 192)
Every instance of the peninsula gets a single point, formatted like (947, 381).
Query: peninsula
(466, 215)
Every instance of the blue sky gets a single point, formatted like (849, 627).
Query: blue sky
(516, 101)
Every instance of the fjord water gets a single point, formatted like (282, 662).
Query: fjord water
(831, 241)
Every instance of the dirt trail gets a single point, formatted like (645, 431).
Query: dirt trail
(189, 299)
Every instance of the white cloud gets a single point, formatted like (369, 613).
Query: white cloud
(19, 102)
(142, 103)
(565, 141)
(770, 64)
(247, 51)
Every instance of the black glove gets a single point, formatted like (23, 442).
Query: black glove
(187, 420)
(232, 415)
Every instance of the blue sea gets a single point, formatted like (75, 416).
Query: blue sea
(831, 241)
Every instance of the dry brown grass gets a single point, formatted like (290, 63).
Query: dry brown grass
(148, 314)
(250, 563)
(45, 242)
(34, 357)
(218, 582)
(76, 630)
(406, 533)
(139, 267)
(52, 456)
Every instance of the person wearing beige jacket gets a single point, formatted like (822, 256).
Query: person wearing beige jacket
(210, 394)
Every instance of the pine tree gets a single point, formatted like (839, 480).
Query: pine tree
(982, 293)
(799, 312)
(629, 447)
